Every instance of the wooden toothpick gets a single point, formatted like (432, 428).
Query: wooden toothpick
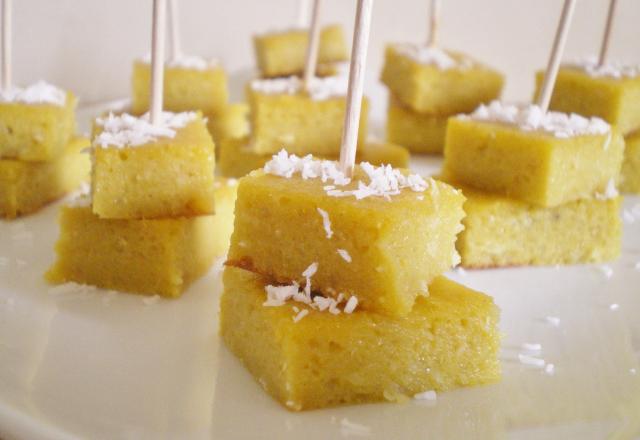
(604, 48)
(302, 20)
(556, 55)
(6, 44)
(434, 23)
(356, 83)
(174, 30)
(312, 47)
(157, 59)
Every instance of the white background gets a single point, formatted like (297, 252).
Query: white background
(88, 45)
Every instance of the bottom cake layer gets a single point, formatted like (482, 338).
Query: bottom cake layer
(500, 231)
(27, 186)
(450, 339)
(147, 256)
(417, 132)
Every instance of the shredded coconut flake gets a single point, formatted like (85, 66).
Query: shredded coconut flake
(351, 305)
(552, 320)
(345, 255)
(129, 131)
(384, 181)
(532, 118)
(613, 307)
(614, 70)
(432, 56)
(301, 314)
(531, 361)
(318, 89)
(348, 428)
(532, 347)
(426, 395)
(550, 369)
(606, 270)
(610, 192)
(326, 222)
(38, 93)
(311, 270)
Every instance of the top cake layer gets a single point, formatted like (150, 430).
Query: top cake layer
(38, 93)
(437, 82)
(183, 61)
(614, 70)
(124, 130)
(381, 236)
(532, 118)
(433, 56)
(317, 89)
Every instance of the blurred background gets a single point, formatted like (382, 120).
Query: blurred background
(88, 45)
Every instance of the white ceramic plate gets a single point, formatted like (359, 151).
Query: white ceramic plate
(89, 364)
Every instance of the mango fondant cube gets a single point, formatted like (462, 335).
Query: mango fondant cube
(238, 159)
(610, 92)
(283, 53)
(36, 123)
(190, 84)
(419, 132)
(544, 159)
(27, 186)
(382, 236)
(500, 231)
(283, 115)
(145, 171)
(448, 340)
(630, 173)
(146, 256)
(437, 82)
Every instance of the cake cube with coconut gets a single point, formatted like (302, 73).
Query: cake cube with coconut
(37, 123)
(545, 159)
(237, 158)
(142, 170)
(315, 352)
(419, 132)
(501, 231)
(286, 115)
(26, 186)
(382, 235)
(282, 53)
(438, 82)
(191, 83)
(610, 91)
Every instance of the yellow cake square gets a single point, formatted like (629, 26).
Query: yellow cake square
(450, 339)
(237, 158)
(500, 231)
(610, 92)
(147, 256)
(382, 236)
(27, 186)
(36, 123)
(630, 173)
(283, 53)
(145, 171)
(233, 122)
(285, 116)
(190, 84)
(438, 82)
(419, 132)
(544, 159)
